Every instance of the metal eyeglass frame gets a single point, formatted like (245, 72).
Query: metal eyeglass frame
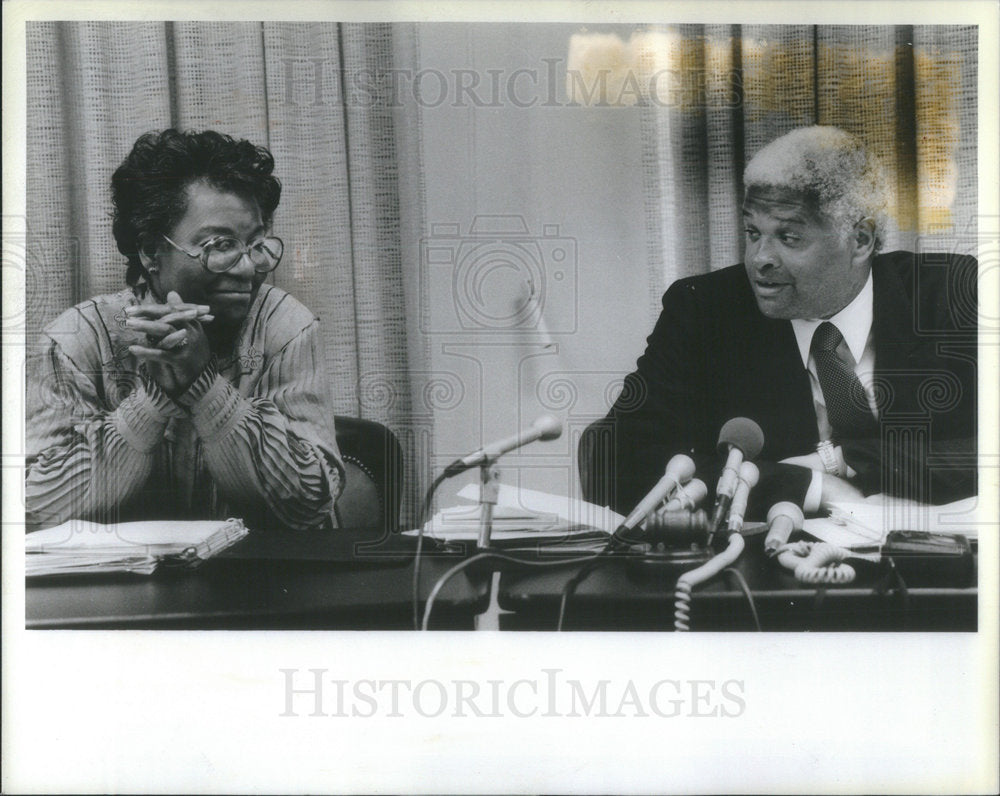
(244, 252)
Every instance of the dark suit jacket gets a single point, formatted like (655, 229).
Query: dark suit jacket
(713, 356)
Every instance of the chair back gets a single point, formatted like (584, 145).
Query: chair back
(596, 461)
(373, 461)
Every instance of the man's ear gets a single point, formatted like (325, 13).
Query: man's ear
(864, 240)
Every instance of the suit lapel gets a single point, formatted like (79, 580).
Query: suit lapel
(898, 361)
(796, 416)
(892, 318)
(774, 375)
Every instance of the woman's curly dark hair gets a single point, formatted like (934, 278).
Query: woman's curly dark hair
(149, 189)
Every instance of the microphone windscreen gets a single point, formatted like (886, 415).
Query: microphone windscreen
(786, 509)
(696, 490)
(749, 473)
(548, 427)
(688, 496)
(742, 433)
(682, 467)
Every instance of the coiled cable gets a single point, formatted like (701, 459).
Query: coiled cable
(707, 571)
(817, 563)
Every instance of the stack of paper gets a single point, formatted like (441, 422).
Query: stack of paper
(527, 516)
(868, 522)
(81, 546)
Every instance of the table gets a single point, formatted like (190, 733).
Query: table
(363, 580)
(633, 595)
(346, 579)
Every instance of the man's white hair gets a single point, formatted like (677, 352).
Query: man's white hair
(830, 166)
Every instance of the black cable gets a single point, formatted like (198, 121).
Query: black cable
(901, 589)
(744, 586)
(424, 518)
(491, 555)
(818, 599)
(599, 560)
(618, 543)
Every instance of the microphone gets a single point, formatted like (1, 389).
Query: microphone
(687, 496)
(679, 470)
(782, 519)
(742, 439)
(748, 478)
(544, 428)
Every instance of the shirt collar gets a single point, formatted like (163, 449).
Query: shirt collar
(854, 323)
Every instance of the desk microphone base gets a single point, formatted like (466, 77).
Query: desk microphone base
(668, 564)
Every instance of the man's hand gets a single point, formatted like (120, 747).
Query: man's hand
(812, 461)
(837, 490)
(177, 350)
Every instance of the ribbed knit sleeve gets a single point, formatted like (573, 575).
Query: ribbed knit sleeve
(82, 459)
(278, 445)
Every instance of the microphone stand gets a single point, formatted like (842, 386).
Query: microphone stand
(489, 492)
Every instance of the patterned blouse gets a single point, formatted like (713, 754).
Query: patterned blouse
(253, 437)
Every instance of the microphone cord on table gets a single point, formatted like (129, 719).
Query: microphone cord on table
(745, 588)
(707, 571)
(495, 556)
(616, 544)
(599, 560)
(425, 516)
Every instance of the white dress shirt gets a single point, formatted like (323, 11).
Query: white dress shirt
(857, 349)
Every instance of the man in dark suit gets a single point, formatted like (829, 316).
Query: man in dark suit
(859, 367)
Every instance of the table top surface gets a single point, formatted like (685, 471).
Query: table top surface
(362, 579)
(354, 579)
(636, 592)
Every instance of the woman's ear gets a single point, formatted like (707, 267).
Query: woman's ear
(147, 255)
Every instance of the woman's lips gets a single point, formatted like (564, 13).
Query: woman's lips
(231, 294)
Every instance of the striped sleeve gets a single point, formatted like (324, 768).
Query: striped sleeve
(278, 446)
(82, 459)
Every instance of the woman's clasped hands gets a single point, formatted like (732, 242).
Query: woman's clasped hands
(177, 349)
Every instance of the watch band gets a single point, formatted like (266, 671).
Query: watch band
(827, 455)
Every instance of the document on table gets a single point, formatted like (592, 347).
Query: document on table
(868, 522)
(82, 546)
(524, 514)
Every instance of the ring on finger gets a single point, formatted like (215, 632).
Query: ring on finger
(179, 343)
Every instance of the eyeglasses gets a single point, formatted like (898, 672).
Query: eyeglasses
(220, 254)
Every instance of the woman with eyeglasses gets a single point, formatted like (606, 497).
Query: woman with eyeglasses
(199, 391)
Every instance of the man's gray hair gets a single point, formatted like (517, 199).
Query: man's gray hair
(833, 168)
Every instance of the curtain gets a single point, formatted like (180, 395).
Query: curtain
(726, 90)
(94, 87)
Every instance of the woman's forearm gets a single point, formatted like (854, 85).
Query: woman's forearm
(98, 462)
(256, 458)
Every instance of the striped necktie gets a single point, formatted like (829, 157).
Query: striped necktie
(846, 402)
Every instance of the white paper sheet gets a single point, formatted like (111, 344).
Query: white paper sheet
(83, 546)
(868, 522)
(521, 514)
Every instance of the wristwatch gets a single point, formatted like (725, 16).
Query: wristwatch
(827, 455)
